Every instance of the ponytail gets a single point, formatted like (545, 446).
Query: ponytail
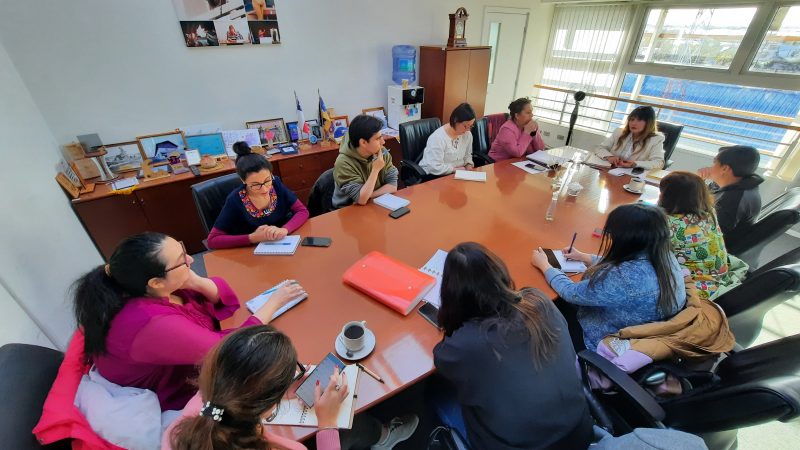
(203, 433)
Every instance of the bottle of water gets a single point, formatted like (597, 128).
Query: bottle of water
(404, 63)
(551, 210)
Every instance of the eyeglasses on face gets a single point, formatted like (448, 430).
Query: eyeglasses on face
(184, 258)
(260, 186)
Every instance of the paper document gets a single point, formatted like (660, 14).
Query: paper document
(124, 183)
(558, 155)
(597, 162)
(568, 265)
(529, 167)
(391, 202)
(434, 267)
(620, 171)
(470, 175)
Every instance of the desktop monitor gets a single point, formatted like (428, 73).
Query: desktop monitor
(208, 144)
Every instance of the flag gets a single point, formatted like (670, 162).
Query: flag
(324, 118)
(301, 119)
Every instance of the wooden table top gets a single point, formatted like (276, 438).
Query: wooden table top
(506, 214)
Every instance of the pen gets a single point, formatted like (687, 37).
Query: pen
(370, 373)
(574, 235)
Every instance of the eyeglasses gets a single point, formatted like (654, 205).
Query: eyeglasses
(260, 186)
(185, 260)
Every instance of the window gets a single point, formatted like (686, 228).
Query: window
(779, 51)
(707, 37)
(494, 38)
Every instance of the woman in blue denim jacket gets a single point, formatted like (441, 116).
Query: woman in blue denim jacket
(636, 280)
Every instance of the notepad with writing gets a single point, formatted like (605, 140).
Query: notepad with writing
(261, 299)
(391, 202)
(285, 246)
(470, 175)
(435, 267)
(294, 412)
(556, 259)
(391, 282)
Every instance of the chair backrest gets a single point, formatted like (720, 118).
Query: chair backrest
(494, 122)
(671, 132)
(746, 304)
(480, 137)
(771, 360)
(776, 218)
(320, 200)
(209, 197)
(414, 137)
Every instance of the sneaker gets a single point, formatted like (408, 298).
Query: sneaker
(400, 429)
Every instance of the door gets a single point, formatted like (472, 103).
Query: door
(504, 30)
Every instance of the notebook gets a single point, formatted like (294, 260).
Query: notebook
(470, 175)
(391, 282)
(597, 162)
(556, 259)
(285, 246)
(261, 299)
(654, 176)
(391, 202)
(554, 156)
(435, 267)
(294, 412)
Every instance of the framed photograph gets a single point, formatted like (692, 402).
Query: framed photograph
(339, 125)
(123, 157)
(294, 132)
(378, 113)
(276, 126)
(201, 33)
(158, 147)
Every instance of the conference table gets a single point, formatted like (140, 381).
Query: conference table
(506, 214)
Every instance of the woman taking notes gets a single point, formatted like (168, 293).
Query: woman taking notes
(449, 148)
(509, 357)
(635, 280)
(148, 319)
(519, 136)
(637, 144)
(262, 209)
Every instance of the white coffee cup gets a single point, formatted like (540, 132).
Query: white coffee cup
(636, 184)
(353, 335)
(574, 188)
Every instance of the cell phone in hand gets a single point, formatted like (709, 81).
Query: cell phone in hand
(399, 212)
(321, 373)
(316, 242)
(430, 313)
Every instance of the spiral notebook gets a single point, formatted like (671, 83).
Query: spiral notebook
(285, 246)
(294, 412)
(261, 299)
(434, 267)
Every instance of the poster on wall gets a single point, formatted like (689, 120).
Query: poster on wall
(215, 23)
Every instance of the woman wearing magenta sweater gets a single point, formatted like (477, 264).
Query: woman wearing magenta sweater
(262, 209)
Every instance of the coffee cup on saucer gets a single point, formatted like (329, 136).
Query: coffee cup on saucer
(636, 185)
(355, 341)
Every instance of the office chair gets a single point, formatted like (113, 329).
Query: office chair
(413, 139)
(481, 143)
(26, 374)
(671, 132)
(747, 304)
(776, 218)
(320, 200)
(209, 197)
(749, 387)
(493, 123)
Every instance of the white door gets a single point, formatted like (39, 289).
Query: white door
(503, 30)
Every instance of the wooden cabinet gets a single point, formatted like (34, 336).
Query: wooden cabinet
(451, 76)
(109, 220)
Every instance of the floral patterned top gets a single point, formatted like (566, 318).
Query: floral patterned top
(251, 208)
(700, 248)
(240, 216)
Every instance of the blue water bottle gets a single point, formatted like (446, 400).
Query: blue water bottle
(404, 62)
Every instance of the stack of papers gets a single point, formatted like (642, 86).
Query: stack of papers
(391, 202)
(435, 267)
(558, 155)
(285, 246)
(470, 175)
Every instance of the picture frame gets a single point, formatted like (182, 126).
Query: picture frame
(339, 122)
(277, 126)
(378, 112)
(123, 157)
(157, 147)
(293, 131)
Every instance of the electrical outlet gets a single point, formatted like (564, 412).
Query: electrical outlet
(545, 133)
(560, 137)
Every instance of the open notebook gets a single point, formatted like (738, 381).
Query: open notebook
(295, 413)
(285, 246)
(556, 259)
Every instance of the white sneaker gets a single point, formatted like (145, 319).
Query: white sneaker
(400, 429)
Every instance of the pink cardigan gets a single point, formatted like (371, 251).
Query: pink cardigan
(511, 142)
(327, 439)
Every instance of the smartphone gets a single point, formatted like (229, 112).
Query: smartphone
(399, 212)
(316, 241)
(430, 313)
(637, 170)
(321, 373)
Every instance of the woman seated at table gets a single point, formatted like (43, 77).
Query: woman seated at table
(519, 136)
(239, 396)
(148, 319)
(261, 209)
(696, 236)
(449, 148)
(637, 144)
(509, 357)
(636, 280)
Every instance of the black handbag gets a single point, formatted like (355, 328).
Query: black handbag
(445, 438)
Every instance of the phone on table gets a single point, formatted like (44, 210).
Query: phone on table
(316, 241)
(430, 313)
(399, 212)
(637, 171)
(321, 373)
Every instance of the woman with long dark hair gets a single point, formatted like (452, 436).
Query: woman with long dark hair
(148, 318)
(637, 144)
(636, 279)
(506, 351)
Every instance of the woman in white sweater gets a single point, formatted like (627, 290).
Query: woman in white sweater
(637, 144)
(449, 148)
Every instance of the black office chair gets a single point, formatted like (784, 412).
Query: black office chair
(481, 143)
(209, 197)
(747, 388)
(747, 304)
(320, 200)
(776, 217)
(26, 374)
(413, 138)
(671, 132)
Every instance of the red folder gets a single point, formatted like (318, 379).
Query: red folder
(396, 285)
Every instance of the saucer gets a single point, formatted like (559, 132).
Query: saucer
(625, 186)
(369, 346)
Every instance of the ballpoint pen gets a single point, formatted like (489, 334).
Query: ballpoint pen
(370, 373)
(574, 235)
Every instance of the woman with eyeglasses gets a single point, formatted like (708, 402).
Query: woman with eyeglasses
(262, 209)
(242, 382)
(449, 148)
(148, 319)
